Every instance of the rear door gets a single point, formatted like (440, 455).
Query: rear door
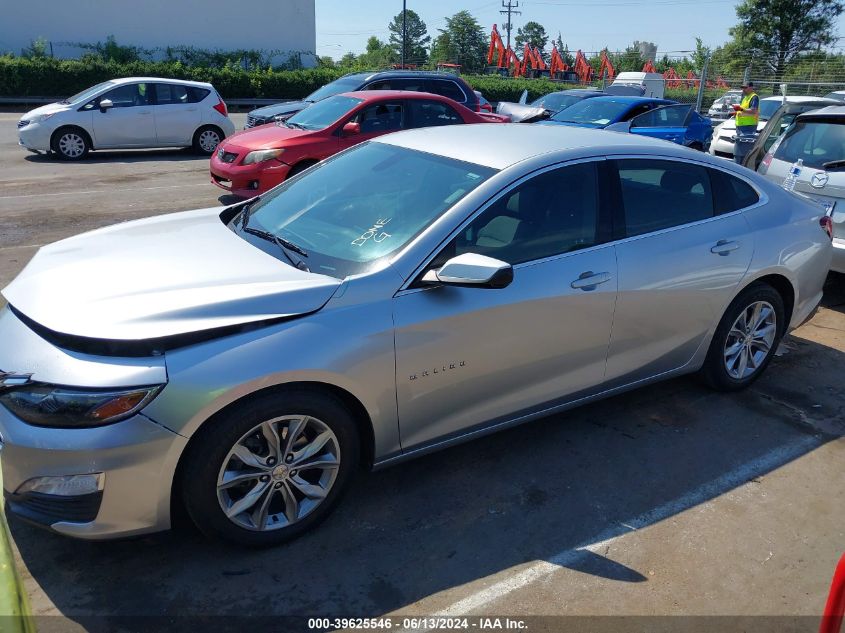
(177, 113)
(685, 246)
(668, 123)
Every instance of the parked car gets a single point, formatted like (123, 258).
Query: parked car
(442, 83)
(546, 106)
(722, 108)
(818, 139)
(129, 113)
(838, 95)
(659, 118)
(724, 135)
(253, 161)
(413, 292)
(774, 128)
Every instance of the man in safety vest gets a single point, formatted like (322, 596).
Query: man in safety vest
(747, 117)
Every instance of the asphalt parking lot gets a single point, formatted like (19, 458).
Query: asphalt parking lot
(671, 500)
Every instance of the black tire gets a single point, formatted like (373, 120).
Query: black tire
(202, 142)
(70, 143)
(212, 445)
(696, 146)
(300, 167)
(714, 371)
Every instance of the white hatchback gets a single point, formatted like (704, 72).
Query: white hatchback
(132, 112)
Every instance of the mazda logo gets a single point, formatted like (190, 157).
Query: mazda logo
(819, 179)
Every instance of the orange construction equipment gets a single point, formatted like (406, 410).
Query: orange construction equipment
(606, 65)
(692, 80)
(673, 79)
(648, 67)
(557, 65)
(583, 70)
(496, 49)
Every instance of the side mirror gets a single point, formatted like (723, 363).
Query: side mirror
(351, 129)
(105, 104)
(473, 271)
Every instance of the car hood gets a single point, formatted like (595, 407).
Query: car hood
(569, 124)
(50, 108)
(288, 107)
(159, 277)
(522, 113)
(268, 136)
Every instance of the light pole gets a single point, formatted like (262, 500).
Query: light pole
(404, 31)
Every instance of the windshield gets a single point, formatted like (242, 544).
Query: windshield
(768, 108)
(816, 142)
(362, 206)
(592, 112)
(839, 96)
(347, 84)
(88, 92)
(323, 114)
(557, 101)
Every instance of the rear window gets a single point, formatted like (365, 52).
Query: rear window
(815, 141)
(446, 88)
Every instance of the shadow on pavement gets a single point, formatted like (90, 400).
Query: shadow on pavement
(123, 156)
(469, 512)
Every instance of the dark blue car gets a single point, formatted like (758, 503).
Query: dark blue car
(658, 118)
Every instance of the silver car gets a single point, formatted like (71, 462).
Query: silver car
(817, 138)
(410, 293)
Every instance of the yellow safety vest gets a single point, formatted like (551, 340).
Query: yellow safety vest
(747, 119)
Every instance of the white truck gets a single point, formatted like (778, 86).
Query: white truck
(638, 85)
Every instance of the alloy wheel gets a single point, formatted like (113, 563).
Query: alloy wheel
(750, 340)
(209, 140)
(72, 145)
(278, 472)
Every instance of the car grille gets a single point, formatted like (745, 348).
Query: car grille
(226, 157)
(252, 121)
(23, 123)
(48, 509)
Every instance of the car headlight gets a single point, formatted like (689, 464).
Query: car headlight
(43, 117)
(259, 156)
(40, 404)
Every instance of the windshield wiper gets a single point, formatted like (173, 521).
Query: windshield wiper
(286, 246)
(834, 164)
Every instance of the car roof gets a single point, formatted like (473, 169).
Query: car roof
(827, 112)
(385, 74)
(631, 100)
(386, 95)
(184, 82)
(501, 145)
(577, 92)
(800, 99)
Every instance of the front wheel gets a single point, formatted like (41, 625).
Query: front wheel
(70, 143)
(746, 339)
(272, 469)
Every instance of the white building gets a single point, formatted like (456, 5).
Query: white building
(268, 25)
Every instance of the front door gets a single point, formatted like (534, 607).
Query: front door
(374, 120)
(469, 356)
(129, 122)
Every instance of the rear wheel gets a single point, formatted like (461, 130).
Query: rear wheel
(746, 339)
(272, 469)
(206, 139)
(70, 143)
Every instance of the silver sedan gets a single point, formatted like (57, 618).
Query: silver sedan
(415, 291)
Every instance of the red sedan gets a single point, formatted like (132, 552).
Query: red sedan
(253, 161)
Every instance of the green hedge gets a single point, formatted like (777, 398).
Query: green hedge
(48, 77)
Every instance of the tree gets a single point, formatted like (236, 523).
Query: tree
(563, 49)
(461, 42)
(776, 31)
(630, 60)
(416, 40)
(700, 55)
(532, 34)
(378, 55)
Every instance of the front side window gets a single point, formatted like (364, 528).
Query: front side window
(361, 206)
(816, 141)
(536, 219)
(381, 117)
(660, 194)
(670, 116)
(127, 96)
(323, 113)
(432, 113)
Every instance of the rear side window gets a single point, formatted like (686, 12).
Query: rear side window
(195, 95)
(167, 94)
(730, 193)
(432, 113)
(446, 88)
(670, 116)
(399, 84)
(815, 141)
(660, 194)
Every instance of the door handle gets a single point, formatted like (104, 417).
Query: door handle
(724, 247)
(589, 280)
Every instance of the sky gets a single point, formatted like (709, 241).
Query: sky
(590, 25)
